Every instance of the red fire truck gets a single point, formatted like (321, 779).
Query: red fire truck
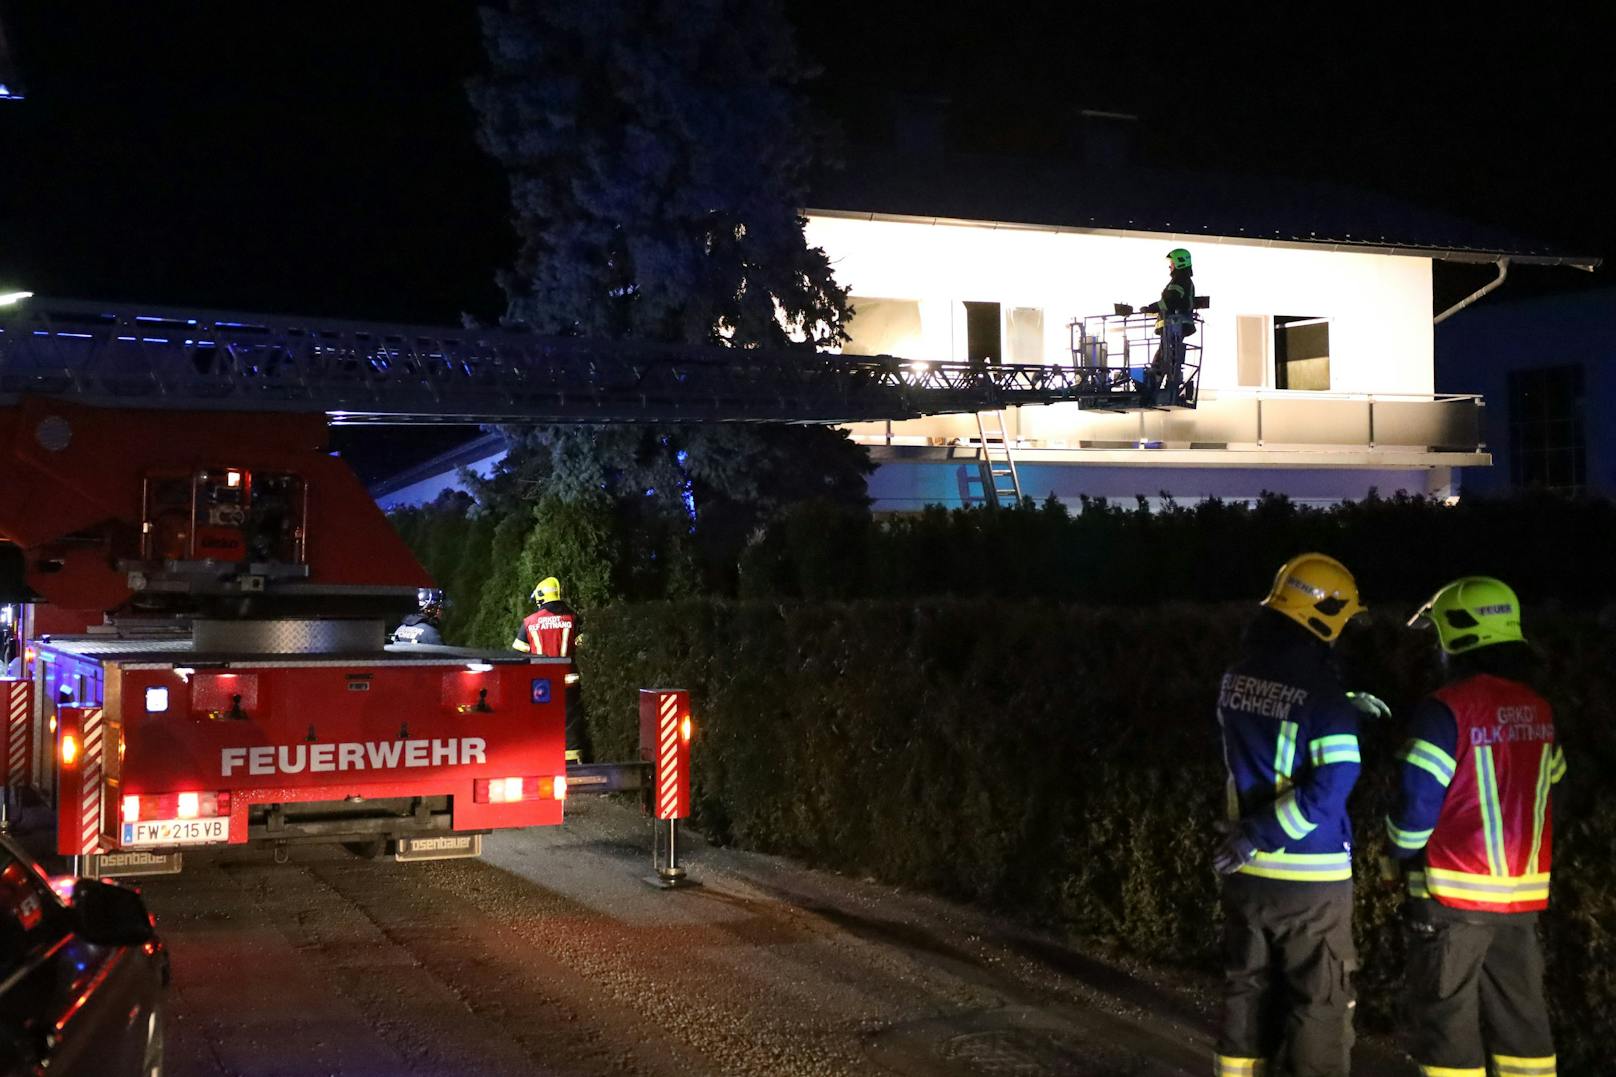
(206, 659)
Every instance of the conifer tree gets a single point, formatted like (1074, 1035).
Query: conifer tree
(657, 152)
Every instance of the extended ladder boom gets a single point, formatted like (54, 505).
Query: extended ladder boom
(368, 372)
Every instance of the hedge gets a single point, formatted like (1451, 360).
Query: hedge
(1550, 548)
(1399, 547)
(1060, 762)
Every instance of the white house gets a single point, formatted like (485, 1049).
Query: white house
(1317, 347)
(1318, 359)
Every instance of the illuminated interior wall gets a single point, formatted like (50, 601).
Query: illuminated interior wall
(1379, 306)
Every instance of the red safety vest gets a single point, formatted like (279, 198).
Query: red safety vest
(1491, 847)
(549, 634)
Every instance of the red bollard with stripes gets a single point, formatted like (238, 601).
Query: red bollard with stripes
(665, 732)
(16, 743)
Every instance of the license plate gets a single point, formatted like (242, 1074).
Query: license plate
(176, 831)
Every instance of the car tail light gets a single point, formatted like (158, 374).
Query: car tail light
(515, 790)
(138, 806)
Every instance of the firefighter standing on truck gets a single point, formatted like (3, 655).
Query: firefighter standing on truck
(425, 625)
(1290, 748)
(1473, 834)
(552, 631)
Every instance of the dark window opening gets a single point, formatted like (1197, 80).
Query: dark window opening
(1301, 352)
(1547, 447)
(982, 344)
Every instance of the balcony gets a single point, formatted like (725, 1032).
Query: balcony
(1230, 428)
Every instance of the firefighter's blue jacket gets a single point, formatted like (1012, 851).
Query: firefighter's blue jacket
(1290, 748)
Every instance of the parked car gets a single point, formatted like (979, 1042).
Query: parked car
(82, 974)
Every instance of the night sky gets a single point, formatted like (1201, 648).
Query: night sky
(319, 159)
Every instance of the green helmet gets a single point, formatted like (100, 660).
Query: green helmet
(1179, 257)
(1476, 611)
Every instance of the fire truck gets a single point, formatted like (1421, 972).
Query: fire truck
(206, 659)
(201, 591)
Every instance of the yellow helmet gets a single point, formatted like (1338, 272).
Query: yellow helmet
(547, 590)
(1476, 611)
(1317, 592)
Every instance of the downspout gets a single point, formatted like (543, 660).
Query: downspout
(1503, 274)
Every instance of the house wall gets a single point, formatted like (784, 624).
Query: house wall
(1379, 305)
(1478, 348)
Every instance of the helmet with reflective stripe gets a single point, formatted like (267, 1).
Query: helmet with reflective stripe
(1317, 592)
(547, 590)
(1179, 257)
(1475, 611)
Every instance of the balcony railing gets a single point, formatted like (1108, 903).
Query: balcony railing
(1228, 419)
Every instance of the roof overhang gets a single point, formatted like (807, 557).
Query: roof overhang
(1446, 254)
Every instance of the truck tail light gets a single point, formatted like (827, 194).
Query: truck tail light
(138, 806)
(70, 750)
(515, 790)
(684, 729)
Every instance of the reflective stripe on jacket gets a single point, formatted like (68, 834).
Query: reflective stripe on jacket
(1477, 777)
(1290, 748)
(550, 631)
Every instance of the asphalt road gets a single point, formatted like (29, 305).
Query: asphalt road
(552, 955)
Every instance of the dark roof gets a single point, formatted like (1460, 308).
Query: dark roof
(1012, 191)
(474, 448)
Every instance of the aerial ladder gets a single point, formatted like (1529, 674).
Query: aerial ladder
(359, 372)
(206, 590)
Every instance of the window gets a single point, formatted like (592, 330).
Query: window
(1024, 330)
(884, 327)
(1251, 350)
(1546, 440)
(982, 340)
(1301, 352)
